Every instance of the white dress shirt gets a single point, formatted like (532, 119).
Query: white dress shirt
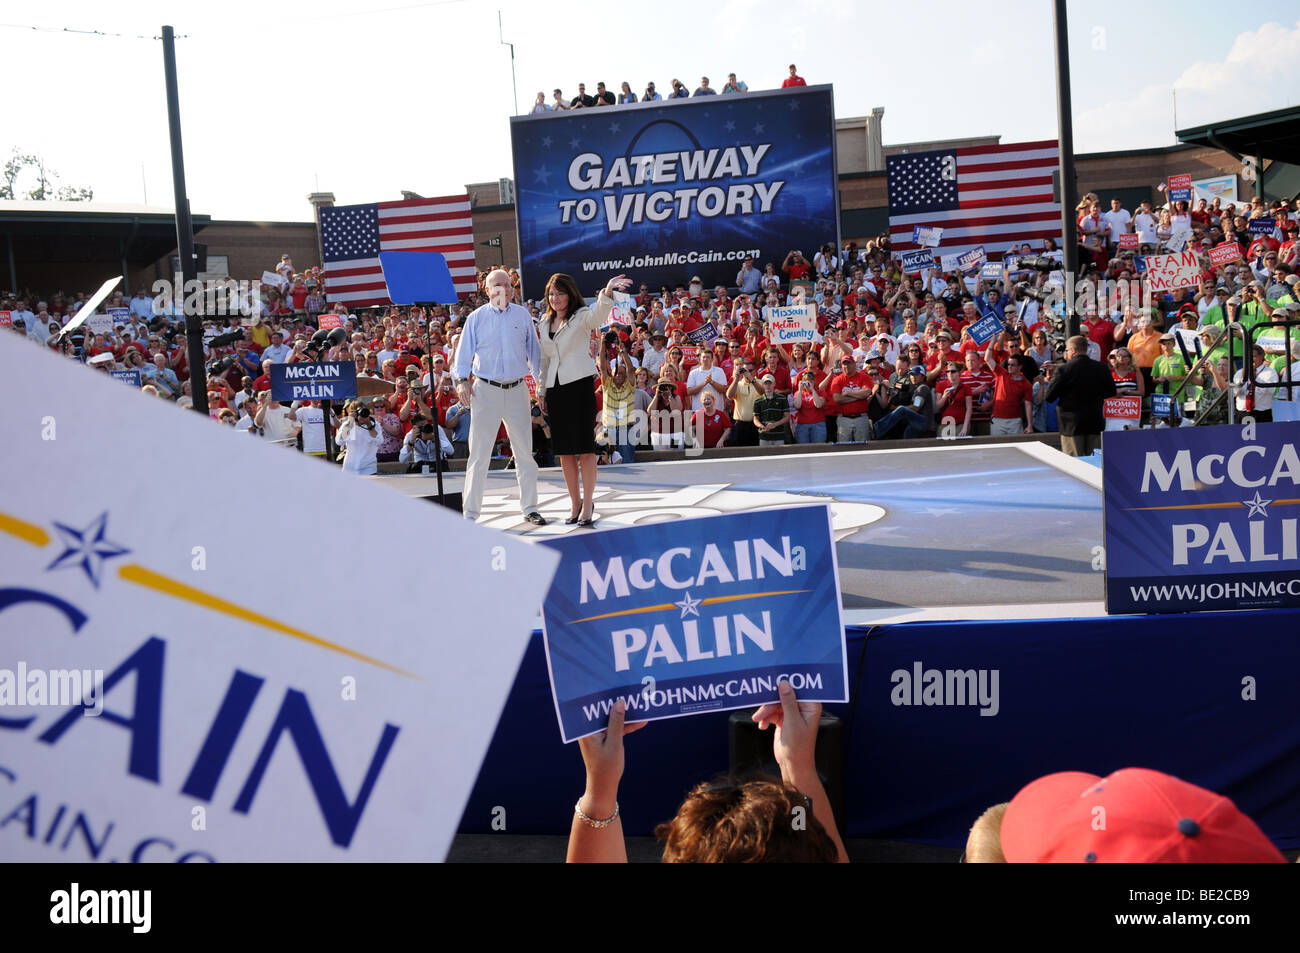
(497, 345)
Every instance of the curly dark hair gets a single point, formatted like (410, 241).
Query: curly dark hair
(752, 821)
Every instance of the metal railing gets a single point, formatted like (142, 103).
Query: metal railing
(1248, 335)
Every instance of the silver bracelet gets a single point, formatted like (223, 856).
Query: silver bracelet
(591, 821)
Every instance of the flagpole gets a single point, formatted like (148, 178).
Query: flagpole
(1065, 144)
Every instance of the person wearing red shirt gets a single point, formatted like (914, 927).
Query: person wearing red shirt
(809, 404)
(794, 79)
(263, 382)
(754, 345)
(1100, 330)
(954, 401)
(710, 427)
(774, 365)
(850, 392)
(693, 318)
(1013, 393)
(979, 378)
(796, 268)
(722, 356)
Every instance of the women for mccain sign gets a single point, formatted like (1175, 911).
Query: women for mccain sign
(1201, 518)
(695, 615)
(674, 189)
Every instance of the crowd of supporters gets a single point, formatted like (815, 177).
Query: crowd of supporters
(626, 95)
(892, 356)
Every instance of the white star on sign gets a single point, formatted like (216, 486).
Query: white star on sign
(729, 126)
(1256, 506)
(758, 128)
(689, 606)
(573, 143)
(546, 141)
(614, 128)
(542, 175)
(86, 548)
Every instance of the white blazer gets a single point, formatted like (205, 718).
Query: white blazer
(566, 357)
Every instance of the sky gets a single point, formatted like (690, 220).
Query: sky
(366, 99)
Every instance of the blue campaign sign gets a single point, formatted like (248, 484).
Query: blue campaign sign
(130, 377)
(1259, 226)
(328, 380)
(968, 260)
(703, 334)
(985, 329)
(991, 269)
(118, 316)
(914, 261)
(1202, 518)
(1162, 405)
(694, 615)
(668, 190)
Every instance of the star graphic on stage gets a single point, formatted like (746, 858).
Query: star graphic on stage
(689, 606)
(614, 128)
(1257, 506)
(87, 548)
(543, 174)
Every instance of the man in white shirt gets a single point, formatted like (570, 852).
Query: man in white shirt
(275, 420)
(310, 416)
(1254, 401)
(652, 359)
(1117, 220)
(1144, 223)
(705, 376)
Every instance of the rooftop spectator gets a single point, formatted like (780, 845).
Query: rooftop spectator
(703, 89)
(734, 86)
(794, 79)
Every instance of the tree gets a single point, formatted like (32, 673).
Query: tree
(44, 189)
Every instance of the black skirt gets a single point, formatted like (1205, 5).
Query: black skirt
(571, 412)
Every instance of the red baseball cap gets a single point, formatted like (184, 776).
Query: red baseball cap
(1135, 815)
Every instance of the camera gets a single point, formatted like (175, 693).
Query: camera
(219, 367)
(1024, 290)
(536, 411)
(426, 428)
(611, 338)
(1039, 263)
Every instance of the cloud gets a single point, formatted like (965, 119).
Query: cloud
(1260, 72)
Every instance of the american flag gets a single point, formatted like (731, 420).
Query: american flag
(352, 236)
(982, 195)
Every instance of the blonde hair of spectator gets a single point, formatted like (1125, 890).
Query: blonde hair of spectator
(984, 845)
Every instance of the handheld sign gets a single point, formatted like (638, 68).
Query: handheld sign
(926, 237)
(327, 380)
(1122, 408)
(1170, 272)
(704, 334)
(1180, 188)
(991, 270)
(694, 615)
(6, 319)
(1179, 239)
(1262, 226)
(623, 311)
(303, 730)
(1162, 406)
(128, 377)
(329, 321)
(917, 261)
(798, 323)
(1128, 241)
(1198, 519)
(274, 279)
(985, 329)
(969, 259)
(1225, 253)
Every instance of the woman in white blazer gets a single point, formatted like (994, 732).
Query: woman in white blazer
(566, 391)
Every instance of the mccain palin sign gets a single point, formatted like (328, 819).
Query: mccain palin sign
(1202, 518)
(694, 616)
(668, 190)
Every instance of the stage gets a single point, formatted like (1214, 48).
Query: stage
(924, 533)
(955, 557)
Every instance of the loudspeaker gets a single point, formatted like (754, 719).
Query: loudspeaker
(749, 751)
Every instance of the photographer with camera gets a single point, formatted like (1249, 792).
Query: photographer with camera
(618, 389)
(360, 437)
(667, 428)
(1081, 386)
(743, 391)
(418, 448)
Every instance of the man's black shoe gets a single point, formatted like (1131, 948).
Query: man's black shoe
(537, 519)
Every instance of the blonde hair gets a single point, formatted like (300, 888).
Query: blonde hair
(984, 845)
